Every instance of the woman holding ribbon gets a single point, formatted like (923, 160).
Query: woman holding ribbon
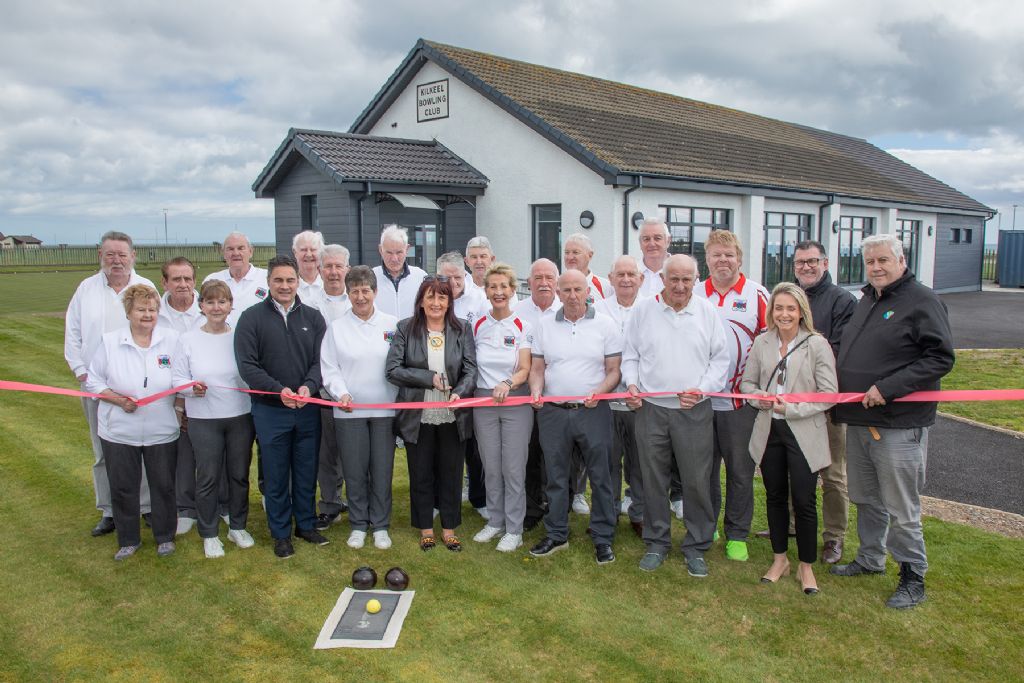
(433, 358)
(130, 364)
(790, 440)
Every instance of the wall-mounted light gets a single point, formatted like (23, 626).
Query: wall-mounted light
(637, 220)
(835, 227)
(931, 230)
(587, 219)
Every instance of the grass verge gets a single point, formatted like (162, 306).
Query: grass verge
(982, 369)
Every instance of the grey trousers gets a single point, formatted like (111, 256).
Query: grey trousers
(223, 454)
(732, 446)
(886, 478)
(503, 437)
(590, 429)
(100, 482)
(626, 460)
(835, 499)
(368, 462)
(330, 472)
(125, 471)
(185, 480)
(664, 435)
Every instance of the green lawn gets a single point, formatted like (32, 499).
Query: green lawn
(71, 613)
(1002, 369)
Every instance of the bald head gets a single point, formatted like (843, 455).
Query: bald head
(679, 274)
(572, 291)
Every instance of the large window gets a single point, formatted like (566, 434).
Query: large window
(690, 227)
(547, 231)
(852, 231)
(909, 233)
(782, 232)
(310, 214)
(425, 228)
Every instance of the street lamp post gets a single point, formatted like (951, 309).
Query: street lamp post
(165, 227)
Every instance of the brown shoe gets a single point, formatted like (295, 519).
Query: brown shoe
(764, 533)
(638, 528)
(832, 552)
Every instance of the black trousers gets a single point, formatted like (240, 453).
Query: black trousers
(475, 474)
(435, 464)
(786, 474)
(536, 477)
(223, 452)
(124, 470)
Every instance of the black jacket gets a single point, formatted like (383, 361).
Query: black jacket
(406, 368)
(272, 355)
(900, 342)
(831, 308)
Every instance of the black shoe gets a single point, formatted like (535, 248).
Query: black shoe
(312, 536)
(324, 521)
(283, 548)
(146, 517)
(531, 523)
(910, 592)
(103, 527)
(604, 553)
(548, 546)
(855, 568)
(344, 507)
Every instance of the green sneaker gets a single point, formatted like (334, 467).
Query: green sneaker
(736, 551)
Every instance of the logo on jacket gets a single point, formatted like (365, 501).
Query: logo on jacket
(261, 293)
(510, 341)
(163, 361)
(389, 336)
(739, 305)
(888, 314)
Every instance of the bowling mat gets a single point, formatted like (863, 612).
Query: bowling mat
(350, 625)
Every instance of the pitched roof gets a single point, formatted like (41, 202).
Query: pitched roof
(346, 157)
(619, 129)
(21, 239)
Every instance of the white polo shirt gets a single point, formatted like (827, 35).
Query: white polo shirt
(652, 284)
(674, 351)
(310, 291)
(621, 315)
(744, 312)
(352, 358)
(498, 343)
(598, 288)
(210, 359)
(331, 307)
(529, 312)
(249, 291)
(398, 302)
(574, 352)
(123, 367)
(472, 305)
(180, 321)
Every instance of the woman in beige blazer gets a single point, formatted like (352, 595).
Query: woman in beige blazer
(789, 440)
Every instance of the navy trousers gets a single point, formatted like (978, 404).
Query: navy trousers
(289, 445)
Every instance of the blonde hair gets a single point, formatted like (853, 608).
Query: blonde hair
(505, 270)
(724, 238)
(793, 290)
(139, 293)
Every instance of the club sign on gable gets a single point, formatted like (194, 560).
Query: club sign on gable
(432, 101)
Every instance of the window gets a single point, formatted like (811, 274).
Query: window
(547, 231)
(310, 215)
(968, 235)
(782, 232)
(690, 227)
(909, 233)
(852, 231)
(954, 235)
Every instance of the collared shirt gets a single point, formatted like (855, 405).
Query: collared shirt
(284, 311)
(529, 312)
(621, 315)
(472, 305)
(498, 343)
(248, 291)
(397, 297)
(652, 284)
(598, 288)
(744, 312)
(95, 309)
(352, 359)
(574, 352)
(310, 291)
(210, 359)
(180, 321)
(331, 306)
(669, 350)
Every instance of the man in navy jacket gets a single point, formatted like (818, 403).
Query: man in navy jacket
(277, 347)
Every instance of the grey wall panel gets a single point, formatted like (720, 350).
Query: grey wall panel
(460, 226)
(333, 208)
(958, 265)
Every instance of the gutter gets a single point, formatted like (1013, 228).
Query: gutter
(638, 185)
(821, 209)
(359, 221)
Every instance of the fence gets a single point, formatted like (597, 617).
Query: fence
(146, 255)
(988, 265)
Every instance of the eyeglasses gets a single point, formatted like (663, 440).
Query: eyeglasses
(436, 278)
(807, 262)
(782, 373)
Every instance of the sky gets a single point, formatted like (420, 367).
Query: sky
(119, 114)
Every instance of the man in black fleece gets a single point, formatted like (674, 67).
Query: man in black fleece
(897, 342)
(277, 347)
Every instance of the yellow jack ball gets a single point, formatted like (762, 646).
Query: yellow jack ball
(373, 606)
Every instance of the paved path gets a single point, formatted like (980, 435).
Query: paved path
(987, 319)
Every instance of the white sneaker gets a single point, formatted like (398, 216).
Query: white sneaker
(510, 542)
(436, 513)
(356, 539)
(185, 525)
(263, 502)
(484, 513)
(465, 494)
(226, 518)
(399, 442)
(579, 504)
(381, 540)
(624, 508)
(488, 533)
(213, 547)
(677, 508)
(241, 538)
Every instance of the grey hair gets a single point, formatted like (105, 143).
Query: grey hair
(335, 250)
(116, 236)
(479, 242)
(893, 242)
(393, 233)
(316, 240)
(664, 268)
(631, 259)
(452, 258)
(654, 220)
(236, 233)
(582, 239)
(544, 262)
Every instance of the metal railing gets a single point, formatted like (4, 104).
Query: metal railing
(86, 256)
(988, 265)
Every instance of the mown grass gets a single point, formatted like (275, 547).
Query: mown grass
(71, 613)
(984, 369)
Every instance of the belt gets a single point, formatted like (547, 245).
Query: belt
(568, 405)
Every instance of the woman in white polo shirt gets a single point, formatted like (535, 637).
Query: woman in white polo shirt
(352, 360)
(219, 419)
(503, 344)
(132, 363)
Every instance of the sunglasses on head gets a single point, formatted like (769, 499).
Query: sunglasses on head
(436, 278)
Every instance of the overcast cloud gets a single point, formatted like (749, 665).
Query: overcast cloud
(111, 112)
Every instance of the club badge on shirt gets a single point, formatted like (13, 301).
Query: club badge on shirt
(739, 305)
(389, 336)
(888, 314)
(163, 361)
(261, 293)
(510, 341)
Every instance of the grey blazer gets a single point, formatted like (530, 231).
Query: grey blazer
(810, 368)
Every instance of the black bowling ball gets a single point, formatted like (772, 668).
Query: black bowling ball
(364, 578)
(396, 579)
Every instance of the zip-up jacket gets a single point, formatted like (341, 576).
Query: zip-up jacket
(900, 342)
(272, 355)
(831, 308)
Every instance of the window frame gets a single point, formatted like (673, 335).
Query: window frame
(535, 225)
(852, 263)
(721, 219)
(802, 224)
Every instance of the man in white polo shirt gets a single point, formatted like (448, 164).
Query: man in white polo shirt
(248, 283)
(479, 257)
(742, 305)
(576, 353)
(577, 254)
(654, 242)
(675, 342)
(308, 248)
(397, 281)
